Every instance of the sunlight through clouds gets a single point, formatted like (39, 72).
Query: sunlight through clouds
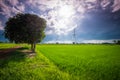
(62, 17)
(92, 19)
(66, 11)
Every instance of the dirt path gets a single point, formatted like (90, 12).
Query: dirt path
(4, 53)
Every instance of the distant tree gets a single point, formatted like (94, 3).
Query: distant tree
(115, 41)
(118, 42)
(1, 42)
(73, 42)
(25, 28)
(57, 42)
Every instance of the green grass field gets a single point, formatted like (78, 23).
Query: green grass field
(4, 46)
(63, 62)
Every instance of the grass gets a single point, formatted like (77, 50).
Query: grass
(63, 62)
(20, 67)
(8, 45)
(86, 62)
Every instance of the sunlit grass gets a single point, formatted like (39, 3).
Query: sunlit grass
(20, 67)
(86, 62)
(62, 62)
(4, 46)
(10, 45)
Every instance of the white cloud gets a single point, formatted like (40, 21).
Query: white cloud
(13, 9)
(116, 5)
(61, 17)
(48, 3)
(21, 7)
(5, 9)
(91, 0)
(8, 10)
(1, 27)
(81, 9)
(105, 3)
(60, 41)
(13, 2)
(82, 41)
(98, 41)
(49, 32)
(42, 8)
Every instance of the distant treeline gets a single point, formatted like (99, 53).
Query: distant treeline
(117, 42)
(114, 42)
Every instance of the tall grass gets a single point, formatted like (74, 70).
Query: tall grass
(62, 62)
(86, 62)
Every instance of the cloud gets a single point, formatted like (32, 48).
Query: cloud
(1, 26)
(116, 5)
(13, 2)
(98, 41)
(61, 41)
(90, 18)
(5, 9)
(12, 8)
(21, 7)
(60, 14)
(82, 41)
(48, 3)
(61, 17)
(49, 32)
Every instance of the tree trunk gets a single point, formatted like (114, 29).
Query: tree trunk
(33, 46)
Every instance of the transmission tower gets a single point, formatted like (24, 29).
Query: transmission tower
(74, 36)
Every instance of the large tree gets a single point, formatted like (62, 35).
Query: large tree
(25, 28)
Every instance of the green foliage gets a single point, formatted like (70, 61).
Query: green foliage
(25, 28)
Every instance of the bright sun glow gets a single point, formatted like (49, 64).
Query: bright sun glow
(65, 16)
(66, 11)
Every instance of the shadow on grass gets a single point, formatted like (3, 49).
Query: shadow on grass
(14, 56)
(23, 48)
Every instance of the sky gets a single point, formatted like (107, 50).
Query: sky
(83, 21)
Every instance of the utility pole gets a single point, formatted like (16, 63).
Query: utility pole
(74, 36)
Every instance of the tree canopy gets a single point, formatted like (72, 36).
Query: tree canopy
(25, 28)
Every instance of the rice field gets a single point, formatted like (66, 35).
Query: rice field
(63, 62)
(85, 62)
